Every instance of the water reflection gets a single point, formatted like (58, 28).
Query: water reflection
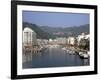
(52, 57)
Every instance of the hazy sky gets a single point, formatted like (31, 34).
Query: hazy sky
(55, 19)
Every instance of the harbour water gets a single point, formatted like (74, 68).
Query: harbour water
(52, 57)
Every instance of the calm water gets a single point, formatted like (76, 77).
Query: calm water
(52, 57)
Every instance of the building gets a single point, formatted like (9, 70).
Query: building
(29, 37)
(71, 41)
(82, 36)
(61, 40)
(51, 41)
(87, 36)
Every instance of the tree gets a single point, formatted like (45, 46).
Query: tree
(84, 44)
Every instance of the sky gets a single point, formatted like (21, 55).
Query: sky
(55, 19)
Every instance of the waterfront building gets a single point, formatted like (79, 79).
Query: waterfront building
(39, 41)
(42, 41)
(45, 41)
(82, 36)
(61, 40)
(87, 36)
(29, 37)
(71, 41)
(50, 41)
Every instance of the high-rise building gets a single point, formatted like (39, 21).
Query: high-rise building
(29, 37)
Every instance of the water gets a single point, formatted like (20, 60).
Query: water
(52, 57)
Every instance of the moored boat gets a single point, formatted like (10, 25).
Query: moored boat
(83, 55)
(64, 49)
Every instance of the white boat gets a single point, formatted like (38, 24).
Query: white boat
(71, 52)
(88, 53)
(80, 53)
(83, 55)
(67, 51)
(64, 49)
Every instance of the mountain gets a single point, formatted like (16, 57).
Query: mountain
(65, 32)
(47, 32)
(40, 33)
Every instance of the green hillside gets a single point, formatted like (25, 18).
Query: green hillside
(74, 30)
(46, 32)
(40, 33)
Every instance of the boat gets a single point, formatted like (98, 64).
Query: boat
(83, 55)
(67, 51)
(80, 53)
(71, 52)
(64, 49)
(88, 53)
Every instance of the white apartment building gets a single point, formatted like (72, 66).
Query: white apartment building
(29, 37)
